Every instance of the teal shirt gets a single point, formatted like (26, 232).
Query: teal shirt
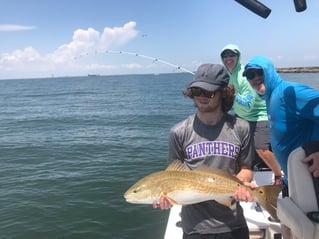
(248, 104)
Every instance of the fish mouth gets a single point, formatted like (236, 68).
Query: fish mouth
(127, 199)
(132, 201)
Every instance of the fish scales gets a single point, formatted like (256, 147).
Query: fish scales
(200, 181)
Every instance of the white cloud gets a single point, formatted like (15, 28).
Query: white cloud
(83, 41)
(11, 28)
(30, 63)
(118, 36)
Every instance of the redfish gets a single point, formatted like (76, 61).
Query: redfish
(182, 186)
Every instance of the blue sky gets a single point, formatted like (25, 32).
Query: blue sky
(75, 37)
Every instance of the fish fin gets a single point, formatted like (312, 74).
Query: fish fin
(171, 201)
(177, 165)
(267, 196)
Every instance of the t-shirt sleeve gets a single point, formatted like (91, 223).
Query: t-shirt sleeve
(175, 148)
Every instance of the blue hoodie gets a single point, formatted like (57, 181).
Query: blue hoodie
(293, 111)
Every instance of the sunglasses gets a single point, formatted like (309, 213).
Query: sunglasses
(196, 91)
(252, 73)
(229, 54)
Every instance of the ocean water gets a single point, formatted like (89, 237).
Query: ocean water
(70, 147)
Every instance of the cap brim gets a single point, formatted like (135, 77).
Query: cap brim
(231, 50)
(251, 68)
(205, 86)
(234, 51)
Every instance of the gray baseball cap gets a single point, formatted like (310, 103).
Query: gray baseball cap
(210, 77)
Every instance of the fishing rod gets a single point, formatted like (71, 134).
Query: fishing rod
(154, 59)
(151, 58)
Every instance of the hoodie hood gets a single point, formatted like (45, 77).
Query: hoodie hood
(231, 47)
(271, 77)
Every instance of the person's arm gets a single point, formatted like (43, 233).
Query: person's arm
(313, 161)
(244, 100)
(246, 176)
(174, 152)
(245, 95)
(306, 102)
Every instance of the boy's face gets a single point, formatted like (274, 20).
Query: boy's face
(207, 103)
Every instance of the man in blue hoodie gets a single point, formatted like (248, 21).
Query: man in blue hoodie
(293, 109)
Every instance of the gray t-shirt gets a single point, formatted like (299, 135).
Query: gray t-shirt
(226, 145)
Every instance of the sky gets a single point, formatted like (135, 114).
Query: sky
(53, 38)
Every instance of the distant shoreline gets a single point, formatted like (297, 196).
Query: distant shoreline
(311, 69)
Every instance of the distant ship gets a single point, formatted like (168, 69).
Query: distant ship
(93, 75)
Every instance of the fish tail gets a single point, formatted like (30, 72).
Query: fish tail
(267, 196)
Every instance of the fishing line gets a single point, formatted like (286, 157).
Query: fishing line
(154, 59)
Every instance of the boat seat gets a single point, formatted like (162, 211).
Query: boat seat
(292, 211)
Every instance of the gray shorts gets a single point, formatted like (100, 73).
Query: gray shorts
(260, 134)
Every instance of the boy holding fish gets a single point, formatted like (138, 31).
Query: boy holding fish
(216, 139)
